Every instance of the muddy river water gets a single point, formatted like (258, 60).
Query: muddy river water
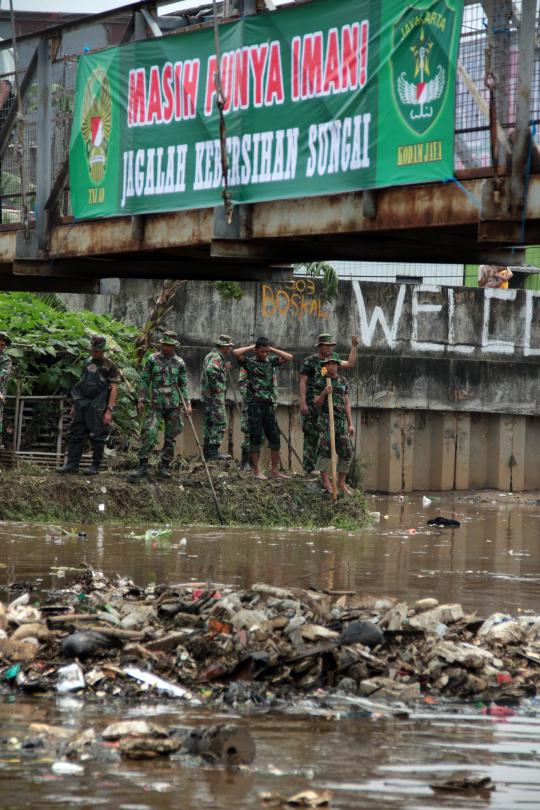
(491, 563)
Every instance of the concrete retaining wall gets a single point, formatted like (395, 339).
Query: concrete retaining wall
(446, 392)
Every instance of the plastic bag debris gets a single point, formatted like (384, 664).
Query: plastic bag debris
(152, 534)
(63, 768)
(70, 678)
(158, 683)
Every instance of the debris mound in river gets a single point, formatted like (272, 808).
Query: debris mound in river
(264, 648)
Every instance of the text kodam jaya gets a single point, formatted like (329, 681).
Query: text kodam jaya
(317, 99)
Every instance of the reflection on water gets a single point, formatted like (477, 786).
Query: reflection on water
(489, 564)
(365, 763)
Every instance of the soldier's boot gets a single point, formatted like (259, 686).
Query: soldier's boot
(97, 458)
(164, 471)
(140, 472)
(73, 460)
(245, 464)
(215, 454)
(209, 451)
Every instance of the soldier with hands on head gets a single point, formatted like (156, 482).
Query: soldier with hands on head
(162, 395)
(94, 398)
(244, 424)
(213, 390)
(343, 426)
(309, 373)
(260, 398)
(6, 367)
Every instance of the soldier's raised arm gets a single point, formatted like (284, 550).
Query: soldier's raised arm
(350, 362)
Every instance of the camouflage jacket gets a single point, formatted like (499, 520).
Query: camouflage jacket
(340, 389)
(260, 378)
(6, 364)
(244, 388)
(311, 368)
(213, 376)
(163, 380)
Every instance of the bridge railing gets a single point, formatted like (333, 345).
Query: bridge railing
(35, 131)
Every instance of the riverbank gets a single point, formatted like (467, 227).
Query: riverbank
(44, 496)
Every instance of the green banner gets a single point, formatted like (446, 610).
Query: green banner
(321, 98)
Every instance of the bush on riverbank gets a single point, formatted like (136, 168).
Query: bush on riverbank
(50, 344)
(48, 497)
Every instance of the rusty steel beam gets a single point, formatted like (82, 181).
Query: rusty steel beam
(425, 222)
(386, 249)
(407, 208)
(110, 236)
(12, 283)
(88, 270)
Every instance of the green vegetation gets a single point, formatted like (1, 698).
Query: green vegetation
(50, 345)
(326, 274)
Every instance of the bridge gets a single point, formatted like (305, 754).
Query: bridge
(488, 211)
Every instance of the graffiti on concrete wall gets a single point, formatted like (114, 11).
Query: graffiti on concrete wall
(378, 327)
(296, 300)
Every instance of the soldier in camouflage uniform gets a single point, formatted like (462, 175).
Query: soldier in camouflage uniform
(94, 398)
(260, 391)
(163, 386)
(213, 389)
(244, 425)
(309, 372)
(343, 426)
(6, 366)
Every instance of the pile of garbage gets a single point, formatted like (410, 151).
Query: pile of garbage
(264, 648)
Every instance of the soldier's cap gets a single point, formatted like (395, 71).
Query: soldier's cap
(333, 358)
(224, 340)
(327, 339)
(169, 339)
(5, 338)
(98, 342)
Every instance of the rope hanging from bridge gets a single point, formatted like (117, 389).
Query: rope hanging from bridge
(220, 100)
(19, 144)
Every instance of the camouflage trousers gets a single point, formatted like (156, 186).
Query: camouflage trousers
(344, 448)
(173, 423)
(311, 428)
(215, 421)
(1, 423)
(262, 422)
(244, 427)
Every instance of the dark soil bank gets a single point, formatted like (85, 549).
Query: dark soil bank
(47, 496)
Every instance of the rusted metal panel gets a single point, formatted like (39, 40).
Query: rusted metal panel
(427, 216)
(407, 207)
(113, 236)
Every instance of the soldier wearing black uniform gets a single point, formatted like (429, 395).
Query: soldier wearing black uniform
(94, 397)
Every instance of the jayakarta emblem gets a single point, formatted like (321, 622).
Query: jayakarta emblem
(420, 62)
(96, 123)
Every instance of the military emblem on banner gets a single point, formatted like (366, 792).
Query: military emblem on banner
(422, 42)
(96, 122)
